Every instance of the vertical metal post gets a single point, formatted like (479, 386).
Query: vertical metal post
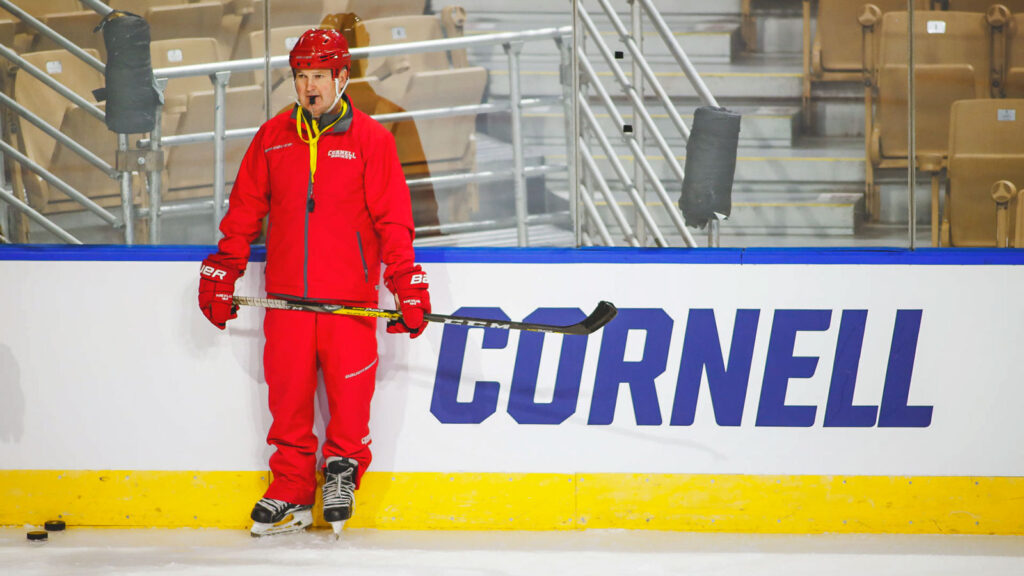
(513, 50)
(575, 161)
(714, 226)
(266, 60)
(912, 129)
(127, 207)
(5, 221)
(568, 80)
(220, 83)
(638, 127)
(156, 172)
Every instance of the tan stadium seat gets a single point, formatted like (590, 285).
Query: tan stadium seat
(281, 42)
(837, 42)
(78, 27)
(984, 5)
(1014, 84)
(25, 36)
(182, 52)
(140, 7)
(986, 146)
(50, 106)
(67, 165)
(395, 71)
(836, 54)
(199, 20)
(307, 13)
(372, 9)
(441, 140)
(190, 166)
(953, 61)
(7, 31)
(40, 8)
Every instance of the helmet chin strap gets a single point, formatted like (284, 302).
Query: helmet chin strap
(339, 89)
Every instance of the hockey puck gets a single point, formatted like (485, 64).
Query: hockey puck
(54, 525)
(37, 535)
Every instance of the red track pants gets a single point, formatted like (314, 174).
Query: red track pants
(345, 348)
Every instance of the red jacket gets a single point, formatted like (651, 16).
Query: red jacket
(361, 214)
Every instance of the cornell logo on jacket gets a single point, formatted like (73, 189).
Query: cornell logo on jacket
(343, 154)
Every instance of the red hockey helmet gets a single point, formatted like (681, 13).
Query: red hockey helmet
(320, 49)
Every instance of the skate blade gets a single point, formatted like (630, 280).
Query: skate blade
(337, 526)
(293, 523)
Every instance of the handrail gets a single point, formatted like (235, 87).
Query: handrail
(638, 58)
(643, 124)
(219, 71)
(60, 184)
(443, 44)
(53, 35)
(57, 135)
(677, 52)
(39, 218)
(429, 113)
(51, 83)
(638, 151)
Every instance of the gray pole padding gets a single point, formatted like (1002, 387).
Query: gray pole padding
(710, 165)
(131, 92)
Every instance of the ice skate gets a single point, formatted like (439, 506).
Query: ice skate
(271, 517)
(339, 491)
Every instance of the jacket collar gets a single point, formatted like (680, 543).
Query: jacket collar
(341, 127)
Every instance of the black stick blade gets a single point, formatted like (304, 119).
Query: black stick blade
(602, 314)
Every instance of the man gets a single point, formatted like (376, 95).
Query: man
(329, 178)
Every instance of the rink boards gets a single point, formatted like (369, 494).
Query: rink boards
(737, 390)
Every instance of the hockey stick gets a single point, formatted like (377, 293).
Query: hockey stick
(602, 314)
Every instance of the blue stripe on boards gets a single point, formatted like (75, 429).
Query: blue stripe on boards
(758, 256)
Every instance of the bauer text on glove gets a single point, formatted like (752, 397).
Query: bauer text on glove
(216, 288)
(411, 290)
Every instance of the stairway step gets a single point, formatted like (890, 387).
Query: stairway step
(753, 165)
(760, 126)
(732, 81)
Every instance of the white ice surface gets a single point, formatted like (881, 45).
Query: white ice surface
(88, 551)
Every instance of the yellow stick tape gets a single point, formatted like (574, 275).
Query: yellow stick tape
(497, 501)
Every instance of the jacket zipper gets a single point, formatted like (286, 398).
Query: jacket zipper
(310, 205)
(366, 271)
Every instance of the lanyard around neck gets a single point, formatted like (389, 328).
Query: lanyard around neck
(314, 132)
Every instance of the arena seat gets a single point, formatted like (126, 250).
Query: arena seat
(281, 42)
(40, 8)
(836, 53)
(307, 13)
(953, 61)
(440, 140)
(190, 166)
(182, 52)
(7, 31)
(140, 7)
(984, 5)
(1014, 84)
(985, 147)
(199, 20)
(75, 26)
(373, 9)
(67, 165)
(395, 71)
(50, 107)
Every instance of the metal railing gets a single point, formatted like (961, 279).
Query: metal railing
(633, 136)
(584, 173)
(219, 74)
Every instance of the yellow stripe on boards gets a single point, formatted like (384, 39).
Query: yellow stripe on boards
(802, 504)
(501, 501)
(130, 497)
